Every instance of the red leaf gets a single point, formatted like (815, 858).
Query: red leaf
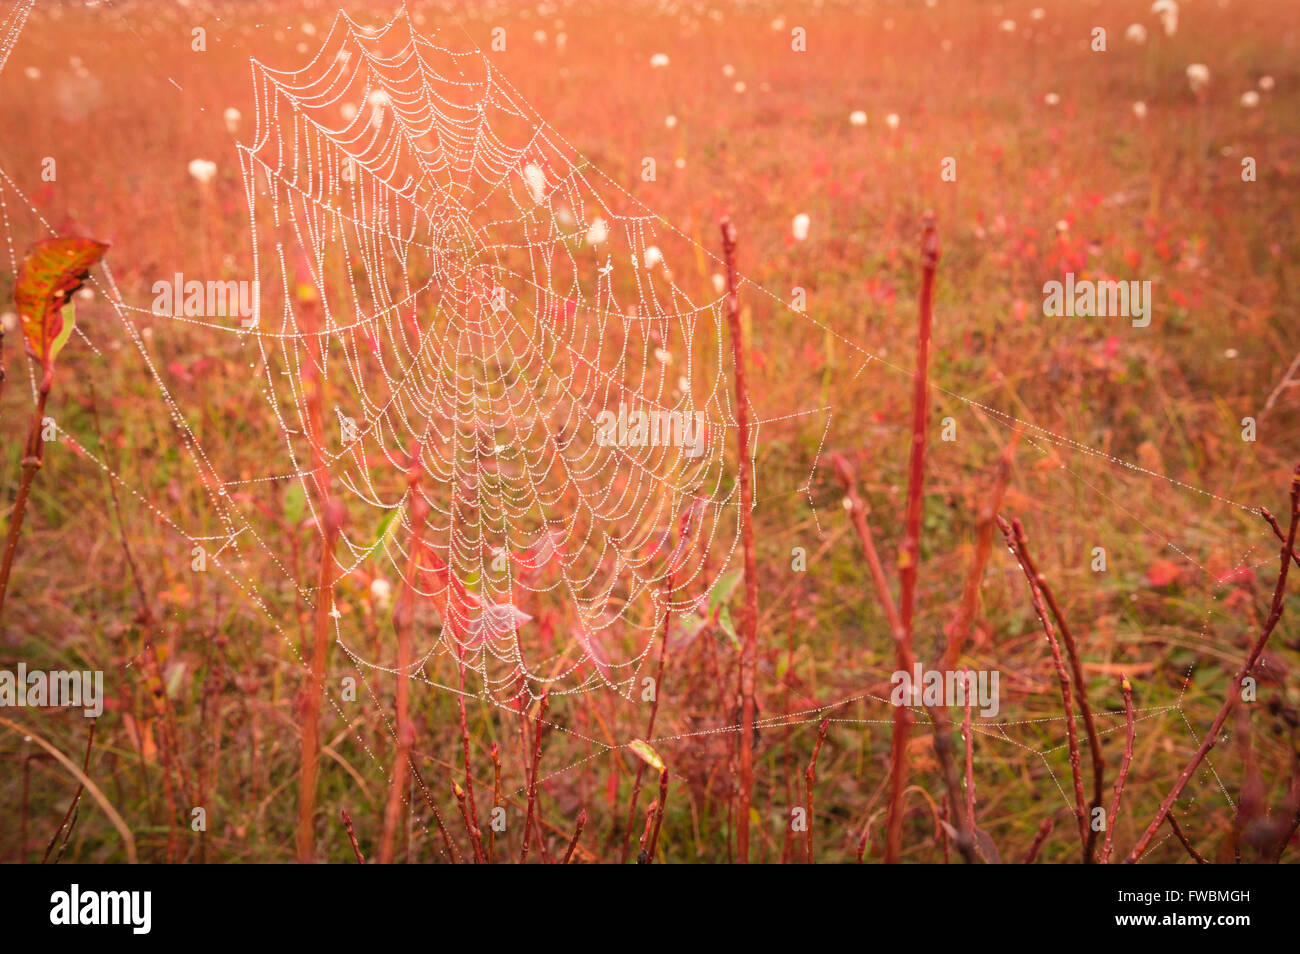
(1163, 572)
(50, 273)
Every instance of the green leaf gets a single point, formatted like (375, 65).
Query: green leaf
(384, 526)
(723, 587)
(295, 503)
(725, 624)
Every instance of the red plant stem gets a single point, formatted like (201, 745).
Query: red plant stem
(496, 800)
(577, 833)
(650, 725)
(659, 816)
(471, 824)
(1196, 855)
(910, 553)
(31, 463)
(404, 622)
(1277, 532)
(968, 740)
(1234, 691)
(474, 832)
(1044, 829)
(810, 778)
(330, 516)
(352, 836)
(403, 619)
(943, 832)
(984, 527)
(749, 622)
(532, 774)
(452, 851)
(938, 715)
(1015, 536)
(1131, 732)
(1292, 805)
(1081, 692)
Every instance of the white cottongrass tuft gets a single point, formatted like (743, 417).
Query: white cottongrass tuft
(348, 111)
(1140, 109)
(232, 117)
(719, 283)
(857, 118)
(1052, 99)
(653, 256)
(203, 170)
(1266, 83)
(381, 591)
(670, 121)
(1250, 99)
(597, 232)
(1136, 33)
(1167, 11)
(892, 120)
(799, 227)
(659, 60)
(32, 73)
(1007, 26)
(1198, 76)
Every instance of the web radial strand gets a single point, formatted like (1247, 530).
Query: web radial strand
(434, 258)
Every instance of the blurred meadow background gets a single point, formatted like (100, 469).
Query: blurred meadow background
(1096, 434)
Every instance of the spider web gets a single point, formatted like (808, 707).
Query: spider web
(372, 263)
(439, 263)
